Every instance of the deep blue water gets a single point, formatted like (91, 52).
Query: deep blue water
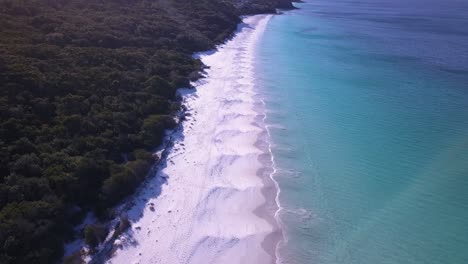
(368, 111)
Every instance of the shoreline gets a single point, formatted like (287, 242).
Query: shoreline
(252, 204)
(275, 238)
(270, 190)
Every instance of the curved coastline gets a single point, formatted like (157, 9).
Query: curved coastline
(272, 242)
(270, 208)
(219, 201)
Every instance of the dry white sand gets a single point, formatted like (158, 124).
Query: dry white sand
(217, 203)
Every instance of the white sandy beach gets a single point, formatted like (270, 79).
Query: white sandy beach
(217, 204)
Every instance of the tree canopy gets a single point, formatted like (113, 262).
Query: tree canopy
(87, 89)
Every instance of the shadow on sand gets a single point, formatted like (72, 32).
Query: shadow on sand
(134, 206)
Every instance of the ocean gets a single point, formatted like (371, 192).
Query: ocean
(367, 111)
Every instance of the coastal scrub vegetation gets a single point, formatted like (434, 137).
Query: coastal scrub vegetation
(88, 88)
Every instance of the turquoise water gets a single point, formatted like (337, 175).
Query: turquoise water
(368, 113)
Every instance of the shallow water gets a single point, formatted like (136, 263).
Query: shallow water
(368, 112)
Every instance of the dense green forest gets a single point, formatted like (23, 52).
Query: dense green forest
(87, 89)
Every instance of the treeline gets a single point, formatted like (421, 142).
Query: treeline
(262, 6)
(87, 89)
